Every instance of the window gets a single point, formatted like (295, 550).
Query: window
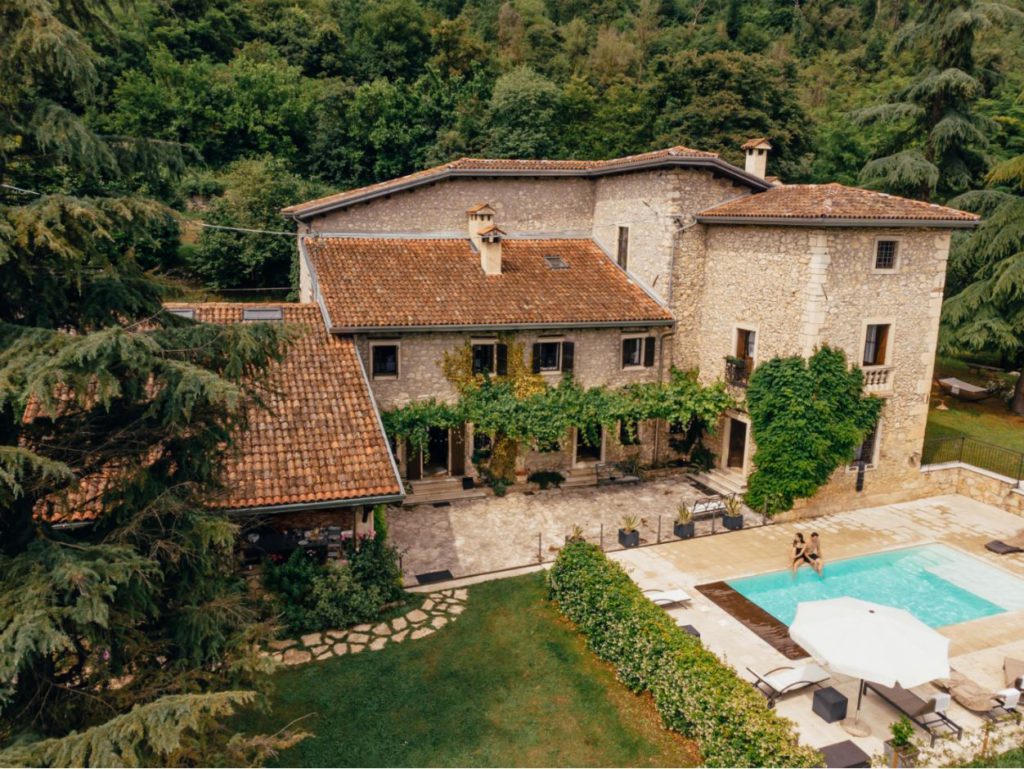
(637, 351)
(677, 428)
(385, 360)
(623, 253)
(745, 343)
(629, 433)
(867, 450)
(553, 356)
(183, 312)
(876, 344)
(490, 358)
(555, 262)
(885, 254)
(256, 314)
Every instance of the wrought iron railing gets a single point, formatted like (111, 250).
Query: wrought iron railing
(970, 451)
(737, 371)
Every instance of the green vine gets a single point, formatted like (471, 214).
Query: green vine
(543, 418)
(808, 417)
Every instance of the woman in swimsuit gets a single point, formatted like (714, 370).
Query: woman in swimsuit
(799, 552)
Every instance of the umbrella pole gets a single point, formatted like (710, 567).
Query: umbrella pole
(854, 726)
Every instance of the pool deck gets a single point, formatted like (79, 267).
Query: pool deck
(977, 648)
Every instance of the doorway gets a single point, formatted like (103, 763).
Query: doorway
(737, 452)
(584, 451)
(435, 458)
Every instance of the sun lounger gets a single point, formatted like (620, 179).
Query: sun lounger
(1014, 544)
(781, 681)
(978, 699)
(966, 391)
(929, 715)
(668, 598)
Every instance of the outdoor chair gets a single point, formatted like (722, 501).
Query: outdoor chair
(668, 598)
(781, 681)
(978, 699)
(929, 715)
(1014, 544)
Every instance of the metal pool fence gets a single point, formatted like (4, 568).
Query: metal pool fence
(970, 451)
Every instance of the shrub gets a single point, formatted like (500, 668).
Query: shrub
(545, 478)
(696, 694)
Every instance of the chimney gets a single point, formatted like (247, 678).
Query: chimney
(757, 156)
(486, 237)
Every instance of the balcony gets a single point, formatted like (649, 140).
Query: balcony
(878, 380)
(737, 371)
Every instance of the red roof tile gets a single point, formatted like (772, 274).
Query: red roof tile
(317, 441)
(397, 282)
(484, 166)
(831, 202)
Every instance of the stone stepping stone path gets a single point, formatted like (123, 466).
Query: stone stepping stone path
(439, 609)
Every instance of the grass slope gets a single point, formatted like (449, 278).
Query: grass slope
(509, 684)
(989, 420)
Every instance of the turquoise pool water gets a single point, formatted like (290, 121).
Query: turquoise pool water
(937, 584)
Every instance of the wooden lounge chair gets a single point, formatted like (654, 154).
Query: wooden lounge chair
(929, 715)
(777, 683)
(1014, 544)
(669, 598)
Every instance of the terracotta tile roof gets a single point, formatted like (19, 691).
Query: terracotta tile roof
(318, 440)
(831, 202)
(485, 166)
(755, 143)
(397, 282)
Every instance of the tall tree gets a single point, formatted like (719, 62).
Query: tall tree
(939, 138)
(985, 312)
(110, 411)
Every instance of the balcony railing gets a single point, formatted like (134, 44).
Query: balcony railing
(878, 379)
(737, 371)
(970, 451)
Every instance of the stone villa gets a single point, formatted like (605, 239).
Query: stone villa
(616, 270)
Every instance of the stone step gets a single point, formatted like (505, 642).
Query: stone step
(725, 483)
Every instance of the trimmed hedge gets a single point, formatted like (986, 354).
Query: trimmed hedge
(696, 694)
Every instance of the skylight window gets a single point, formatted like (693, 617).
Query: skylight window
(555, 262)
(262, 314)
(183, 312)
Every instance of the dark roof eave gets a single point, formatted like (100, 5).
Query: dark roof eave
(379, 499)
(458, 328)
(715, 164)
(810, 221)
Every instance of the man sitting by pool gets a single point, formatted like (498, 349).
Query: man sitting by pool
(813, 553)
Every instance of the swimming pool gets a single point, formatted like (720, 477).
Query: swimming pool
(937, 584)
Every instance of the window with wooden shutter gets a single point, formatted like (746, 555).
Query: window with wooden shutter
(502, 364)
(568, 356)
(483, 358)
(535, 360)
(649, 343)
(632, 351)
(876, 344)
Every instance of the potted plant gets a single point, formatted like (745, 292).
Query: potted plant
(732, 518)
(900, 750)
(684, 525)
(629, 536)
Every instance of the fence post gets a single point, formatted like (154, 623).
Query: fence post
(961, 457)
(602, 537)
(659, 529)
(540, 553)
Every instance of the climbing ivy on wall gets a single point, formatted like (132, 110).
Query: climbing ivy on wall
(543, 418)
(808, 417)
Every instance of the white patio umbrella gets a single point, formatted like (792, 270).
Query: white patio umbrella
(871, 642)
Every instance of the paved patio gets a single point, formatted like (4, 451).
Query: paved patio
(977, 648)
(485, 535)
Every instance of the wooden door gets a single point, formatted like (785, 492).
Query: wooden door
(413, 463)
(737, 444)
(457, 446)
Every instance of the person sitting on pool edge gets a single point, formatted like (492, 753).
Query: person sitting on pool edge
(813, 554)
(799, 552)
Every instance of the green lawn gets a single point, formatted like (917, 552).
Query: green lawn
(508, 684)
(989, 421)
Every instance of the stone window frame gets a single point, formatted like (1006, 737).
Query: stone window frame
(744, 326)
(397, 344)
(640, 337)
(559, 340)
(890, 342)
(898, 240)
(483, 342)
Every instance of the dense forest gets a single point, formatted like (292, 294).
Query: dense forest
(127, 128)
